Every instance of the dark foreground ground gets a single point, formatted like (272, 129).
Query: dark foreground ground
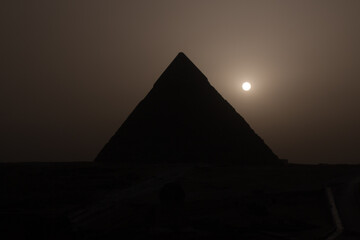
(144, 201)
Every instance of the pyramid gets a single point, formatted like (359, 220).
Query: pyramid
(183, 119)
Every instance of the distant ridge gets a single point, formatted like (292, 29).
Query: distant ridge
(184, 119)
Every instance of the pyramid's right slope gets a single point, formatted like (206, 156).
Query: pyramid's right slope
(184, 119)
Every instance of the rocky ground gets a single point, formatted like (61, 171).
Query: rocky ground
(107, 201)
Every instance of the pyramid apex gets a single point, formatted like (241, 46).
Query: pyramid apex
(181, 72)
(181, 54)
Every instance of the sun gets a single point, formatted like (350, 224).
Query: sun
(246, 86)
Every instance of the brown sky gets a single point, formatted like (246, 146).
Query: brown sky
(72, 71)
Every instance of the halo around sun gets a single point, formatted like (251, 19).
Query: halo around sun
(246, 86)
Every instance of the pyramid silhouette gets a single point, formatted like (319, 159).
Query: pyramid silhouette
(184, 119)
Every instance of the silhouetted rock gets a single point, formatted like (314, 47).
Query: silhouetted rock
(184, 119)
(172, 195)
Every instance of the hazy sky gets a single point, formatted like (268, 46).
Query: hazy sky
(72, 71)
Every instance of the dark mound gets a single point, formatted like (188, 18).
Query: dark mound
(184, 119)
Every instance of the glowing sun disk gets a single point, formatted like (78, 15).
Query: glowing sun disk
(246, 86)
